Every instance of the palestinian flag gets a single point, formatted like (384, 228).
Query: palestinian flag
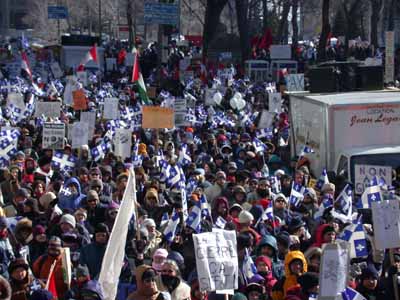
(138, 78)
(91, 55)
(25, 64)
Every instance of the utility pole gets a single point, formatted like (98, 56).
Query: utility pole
(100, 20)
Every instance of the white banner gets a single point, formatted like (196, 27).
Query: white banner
(90, 118)
(53, 136)
(79, 134)
(363, 175)
(83, 77)
(216, 260)
(48, 109)
(333, 270)
(386, 220)
(110, 111)
(275, 102)
(122, 142)
(266, 119)
(295, 82)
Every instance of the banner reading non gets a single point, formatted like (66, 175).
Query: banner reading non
(53, 136)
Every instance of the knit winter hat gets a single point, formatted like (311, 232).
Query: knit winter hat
(245, 217)
(69, 219)
(308, 281)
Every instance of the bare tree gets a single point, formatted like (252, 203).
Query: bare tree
(326, 29)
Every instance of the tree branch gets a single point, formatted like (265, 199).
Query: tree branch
(193, 12)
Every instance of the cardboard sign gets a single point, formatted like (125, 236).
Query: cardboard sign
(333, 270)
(56, 70)
(71, 86)
(79, 134)
(363, 175)
(82, 77)
(53, 136)
(122, 142)
(275, 102)
(386, 219)
(152, 92)
(157, 117)
(90, 118)
(80, 101)
(216, 260)
(295, 82)
(180, 112)
(266, 119)
(48, 109)
(110, 111)
(17, 100)
(111, 64)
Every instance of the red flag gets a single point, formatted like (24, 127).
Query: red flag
(135, 70)
(51, 281)
(91, 55)
(25, 64)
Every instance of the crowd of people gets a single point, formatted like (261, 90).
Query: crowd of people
(239, 171)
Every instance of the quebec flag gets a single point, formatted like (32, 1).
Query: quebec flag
(323, 179)
(371, 194)
(354, 234)
(350, 294)
(297, 194)
(249, 268)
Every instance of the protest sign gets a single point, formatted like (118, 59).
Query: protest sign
(180, 112)
(333, 270)
(275, 102)
(209, 96)
(122, 142)
(56, 70)
(66, 265)
(90, 118)
(266, 119)
(82, 77)
(53, 136)
(79, 98)
(363, 174)
(48, 109)
(111, 64)
(16, 99)
(69, 88)
(79, 134)
(152, 92)
(110, 111)
(216, 260)
(157, 117)
(386, 221)
(295, 82)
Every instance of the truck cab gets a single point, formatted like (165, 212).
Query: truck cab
(359, 165)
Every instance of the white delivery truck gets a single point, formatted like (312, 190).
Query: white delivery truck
(354, 134)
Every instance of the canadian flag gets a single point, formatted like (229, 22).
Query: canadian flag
(25, 64)
(91, 55)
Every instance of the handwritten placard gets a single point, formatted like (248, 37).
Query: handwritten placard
(122, 142)
(110, 111)
(79, 98)
(333, 269)
(157, 117)
(386, 219)
(216, 260)
(295, 82)
(80, 134)
(266, 119)
(90, 118)
(53, 136)
(48, 109)
(275, 102)
(16, 99)
(82, 77)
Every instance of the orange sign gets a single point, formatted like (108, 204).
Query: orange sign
(157, 117)
(80, 101)
(151, 92)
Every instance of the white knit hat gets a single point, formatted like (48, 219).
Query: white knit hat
(69, 219)
(245, 217)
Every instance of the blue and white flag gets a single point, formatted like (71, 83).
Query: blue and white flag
(174, 176)
(275, 184)
(136, 158)
(8, 146)
(266, 133)
(371, 194)
(170, 230)
(313, 297)
(323, 179)
(297, 194)
(268, 213)
(350, 294)
(164, 219)
(63, 162)
(345, 199)
(249, 268)
(306, 150)
(194, 219)
(259, 146)
(205, 208)
(184, 156)
(327, 202)
(101, 149)
(220, 222)
(354, 234)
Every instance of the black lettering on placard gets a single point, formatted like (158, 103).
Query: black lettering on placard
(201, 253)
(205, 283)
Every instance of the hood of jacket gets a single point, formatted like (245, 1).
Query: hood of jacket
(269, 240)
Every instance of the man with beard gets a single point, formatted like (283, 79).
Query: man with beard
(42, 266)
(262, 194)
(29, 170)
(92, 254)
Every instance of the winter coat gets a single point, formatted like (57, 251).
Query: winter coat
(41, 270)
(181, 292)
(289, 280)
(5, 289)
(91, 286)
(6, 256)
(71, 202)
(270, 280)
(141, 293)
(22, 290)
(92, 256)
(277, 264)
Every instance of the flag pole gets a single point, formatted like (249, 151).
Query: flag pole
(53, 266)
(394, 277)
